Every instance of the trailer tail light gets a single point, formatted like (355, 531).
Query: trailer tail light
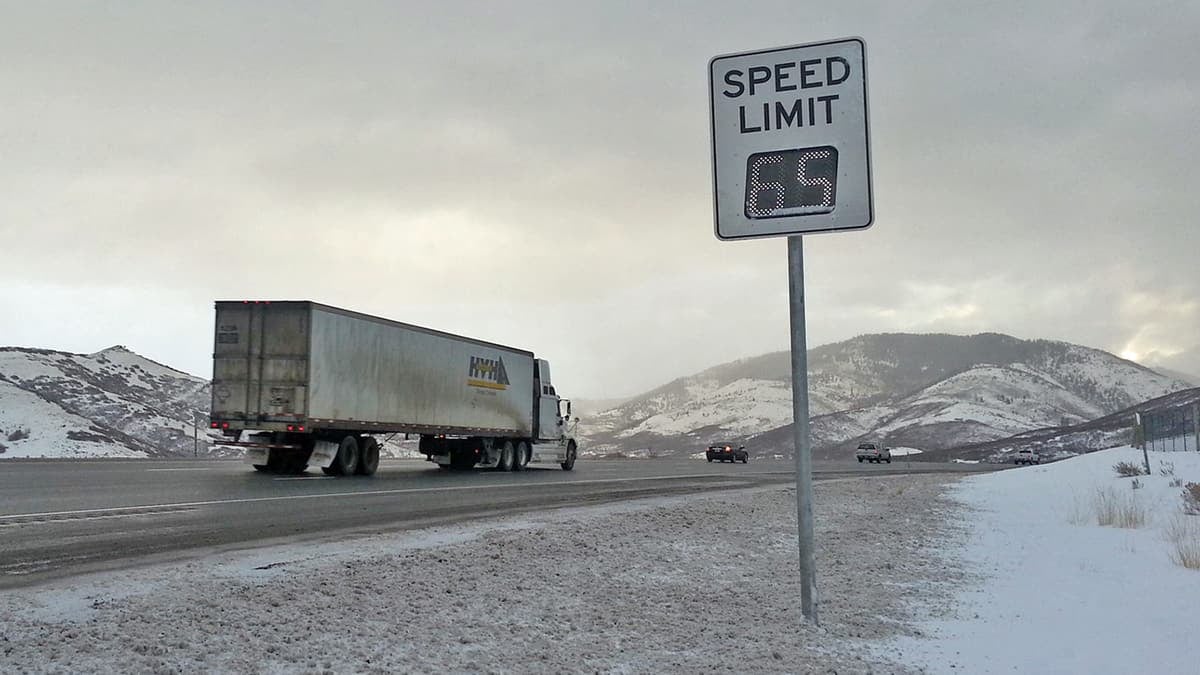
(214, 425)
(291, 427)
(224, 425)
(300, 428)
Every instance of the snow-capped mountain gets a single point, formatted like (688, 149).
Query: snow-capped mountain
(920, 391)
(113, 403)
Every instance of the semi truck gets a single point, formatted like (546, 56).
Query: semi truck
(299, 384)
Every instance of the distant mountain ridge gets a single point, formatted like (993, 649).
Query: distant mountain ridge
(925, 391)
(113, 403)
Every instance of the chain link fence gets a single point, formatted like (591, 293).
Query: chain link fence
(1172, 429)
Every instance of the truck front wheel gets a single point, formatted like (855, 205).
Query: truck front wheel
(569, 464)
(346, 461)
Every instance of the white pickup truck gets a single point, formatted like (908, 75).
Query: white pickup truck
(873, 452)
(1027, 456)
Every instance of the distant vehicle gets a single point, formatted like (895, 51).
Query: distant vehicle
(727, 453)
(873, 452)
(1027, 456)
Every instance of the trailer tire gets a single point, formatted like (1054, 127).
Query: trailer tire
(569, 464)
(521, 459)
(296, 465)
(368, 457)
(261, 468)
(507, 457)
(345, 463)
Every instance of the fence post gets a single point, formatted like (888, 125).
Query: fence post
(1196, 424)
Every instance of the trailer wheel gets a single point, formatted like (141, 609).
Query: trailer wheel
(507, 457)
(261, 468)
(368, 457)
(570, 462)
(346, 461)
(522, 457)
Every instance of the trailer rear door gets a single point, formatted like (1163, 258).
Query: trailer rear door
(260, 361)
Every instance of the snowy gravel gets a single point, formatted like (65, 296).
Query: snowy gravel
(681, 584)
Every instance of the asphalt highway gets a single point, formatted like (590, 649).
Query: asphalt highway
(61, 518)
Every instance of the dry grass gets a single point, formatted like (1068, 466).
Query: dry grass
(1080, 513)
(1184, 534)
(1128, 469)
(1191, 499)
(1114, 509)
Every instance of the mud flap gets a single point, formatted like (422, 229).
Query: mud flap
(323, 454)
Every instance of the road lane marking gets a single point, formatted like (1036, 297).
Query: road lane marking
(361, 493)
(308, 478)
(78, 518)
(201, 468)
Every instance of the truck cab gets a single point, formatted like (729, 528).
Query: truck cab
(553, 412)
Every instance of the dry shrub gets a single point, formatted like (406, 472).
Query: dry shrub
(1128, 469)
(1176, 482)
(1166, 469)
(1115, 509)
(18, 435)
(1184, 535)
(1191, 499)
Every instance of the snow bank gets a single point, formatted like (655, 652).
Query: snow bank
(1058, 593)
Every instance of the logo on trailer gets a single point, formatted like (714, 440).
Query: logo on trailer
(487, 374)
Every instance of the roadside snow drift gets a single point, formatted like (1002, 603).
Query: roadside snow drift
(1058, 593)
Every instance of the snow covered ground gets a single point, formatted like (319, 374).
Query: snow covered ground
(1055, 592)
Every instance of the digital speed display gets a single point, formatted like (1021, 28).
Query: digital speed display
(799, 182)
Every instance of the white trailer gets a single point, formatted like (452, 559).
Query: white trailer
(302, 384)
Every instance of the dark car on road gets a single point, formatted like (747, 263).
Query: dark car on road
(727, 453)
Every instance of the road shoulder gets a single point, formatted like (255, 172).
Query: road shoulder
(688, 583)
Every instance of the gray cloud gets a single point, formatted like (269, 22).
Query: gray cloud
(538, 173)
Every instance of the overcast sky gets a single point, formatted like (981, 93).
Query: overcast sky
(538, 174)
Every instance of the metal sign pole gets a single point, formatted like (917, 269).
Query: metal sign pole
(800, 431)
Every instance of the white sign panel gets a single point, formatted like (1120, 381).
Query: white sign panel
(791, 149)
